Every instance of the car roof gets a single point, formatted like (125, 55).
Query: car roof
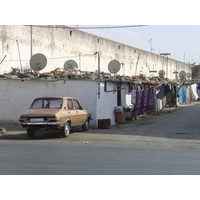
(52, 97)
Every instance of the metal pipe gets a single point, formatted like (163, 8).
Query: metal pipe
(98, 91)
(3, 59)
(19, 55)
(31, 40)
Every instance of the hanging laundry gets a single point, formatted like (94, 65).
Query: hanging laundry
(166, 89)
(133, 96)
(188, 94)
(160, 94)
(143, 101)
(198, 85)
(182, 94)
(194, 89)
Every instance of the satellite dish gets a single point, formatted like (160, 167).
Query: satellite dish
(161, 73)
(114, 66)
(182, 75)
(70, 64)
(38, 62)
(188, 75)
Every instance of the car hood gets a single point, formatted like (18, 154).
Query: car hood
(40, 112)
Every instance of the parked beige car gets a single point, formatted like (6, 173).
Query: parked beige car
(61, 113)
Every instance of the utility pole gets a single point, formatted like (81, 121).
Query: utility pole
(31, 40)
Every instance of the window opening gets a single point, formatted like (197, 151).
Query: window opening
(70, 104)
(77, 106)
(119, 99)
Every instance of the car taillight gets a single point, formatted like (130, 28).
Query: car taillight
(22, 120)
(53, 120)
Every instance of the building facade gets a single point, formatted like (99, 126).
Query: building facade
(61, 43)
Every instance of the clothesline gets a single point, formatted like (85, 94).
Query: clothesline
(145, 99)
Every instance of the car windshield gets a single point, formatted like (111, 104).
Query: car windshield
(49, 103)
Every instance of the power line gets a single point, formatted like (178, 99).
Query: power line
(85, 27)
(106, 27)
(53, 58)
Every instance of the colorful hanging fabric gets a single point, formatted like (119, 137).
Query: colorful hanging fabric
(143, 101)
(182, 94)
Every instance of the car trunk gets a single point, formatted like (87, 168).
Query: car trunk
(40, 112)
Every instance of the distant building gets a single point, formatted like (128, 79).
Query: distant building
(196, 72)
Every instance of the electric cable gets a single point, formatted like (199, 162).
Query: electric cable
(85, 27)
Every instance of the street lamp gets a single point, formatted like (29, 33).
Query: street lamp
(166, 54)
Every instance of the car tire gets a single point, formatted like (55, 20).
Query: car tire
(30, 132)
(65, 131)
(86, 126)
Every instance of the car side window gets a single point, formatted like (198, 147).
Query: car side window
(37, 104)
(77, 105)
(70, 104)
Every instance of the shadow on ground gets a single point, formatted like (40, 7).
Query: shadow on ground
(145, 125)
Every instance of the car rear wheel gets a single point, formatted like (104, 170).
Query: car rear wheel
(30, 132)
(65, 130)
(86, 126)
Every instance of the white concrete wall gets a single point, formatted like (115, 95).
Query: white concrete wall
(108, 101)
(16, 96)
(62, 44)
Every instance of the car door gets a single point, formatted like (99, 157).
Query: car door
(72, 112)
(81, 114)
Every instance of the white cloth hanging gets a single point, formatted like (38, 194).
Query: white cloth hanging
(194, 92)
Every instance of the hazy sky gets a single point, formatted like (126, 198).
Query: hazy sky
(181, 41)
(173, 25)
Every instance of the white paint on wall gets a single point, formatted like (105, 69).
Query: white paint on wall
(62, 44)
(17, 96)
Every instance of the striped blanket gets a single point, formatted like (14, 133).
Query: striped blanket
(143, 101)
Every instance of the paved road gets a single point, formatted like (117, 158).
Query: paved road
(160, 144)
(41, 158)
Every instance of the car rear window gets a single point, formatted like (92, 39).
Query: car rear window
(48, 103)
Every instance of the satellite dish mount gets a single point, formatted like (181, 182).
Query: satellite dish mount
(38, 62)
(114, 66)
(70, 64)
(182, 75)
(161, 74)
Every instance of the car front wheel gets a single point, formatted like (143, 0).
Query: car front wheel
(65, 130)
(30, 132)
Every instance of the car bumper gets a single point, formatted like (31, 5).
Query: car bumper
(39, 123)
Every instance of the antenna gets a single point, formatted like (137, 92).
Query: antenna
(114, 66)
(38, 62)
